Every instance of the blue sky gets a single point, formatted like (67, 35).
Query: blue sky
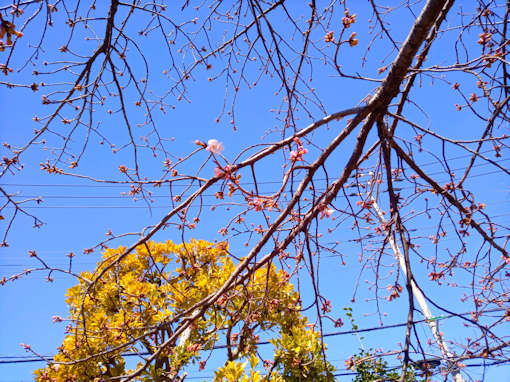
(77, 213)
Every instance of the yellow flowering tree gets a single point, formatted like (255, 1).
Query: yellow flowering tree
(153, 302)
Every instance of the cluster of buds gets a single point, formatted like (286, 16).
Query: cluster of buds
(7, 29)
(434, 276)
(329, 37)
(297, 155)
(485, 39)
(260, 204)
(326, 306)
(51, 169)
(347, 20)
(353, 41)
(395, 291)
(349, 364)
(225, 172)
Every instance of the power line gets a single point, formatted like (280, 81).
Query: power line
(166, 196)
(345, 373)
(127, 198)
(388, 368)
(30, 359)
(77, 262)
(342, 374)
(198, 205)
(117, 185)
(495, 363)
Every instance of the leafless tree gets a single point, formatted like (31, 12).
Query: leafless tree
(339, 157)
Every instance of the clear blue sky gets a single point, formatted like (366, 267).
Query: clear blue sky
(77, 213)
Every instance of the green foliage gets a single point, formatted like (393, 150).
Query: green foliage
(373, 368)
(370, 367)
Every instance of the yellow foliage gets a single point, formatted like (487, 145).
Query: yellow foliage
(136, 304)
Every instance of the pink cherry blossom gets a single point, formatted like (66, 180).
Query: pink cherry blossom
(214, 146)
(258, 204)
(297, 155)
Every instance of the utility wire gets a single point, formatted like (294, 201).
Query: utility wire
(117, 185)
(77, 262)
(495, 363)
(127, 206)
(128, 198)
(30, 359)
(341, 374)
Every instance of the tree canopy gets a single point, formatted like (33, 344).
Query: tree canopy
(156, 285)
(355, 150)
